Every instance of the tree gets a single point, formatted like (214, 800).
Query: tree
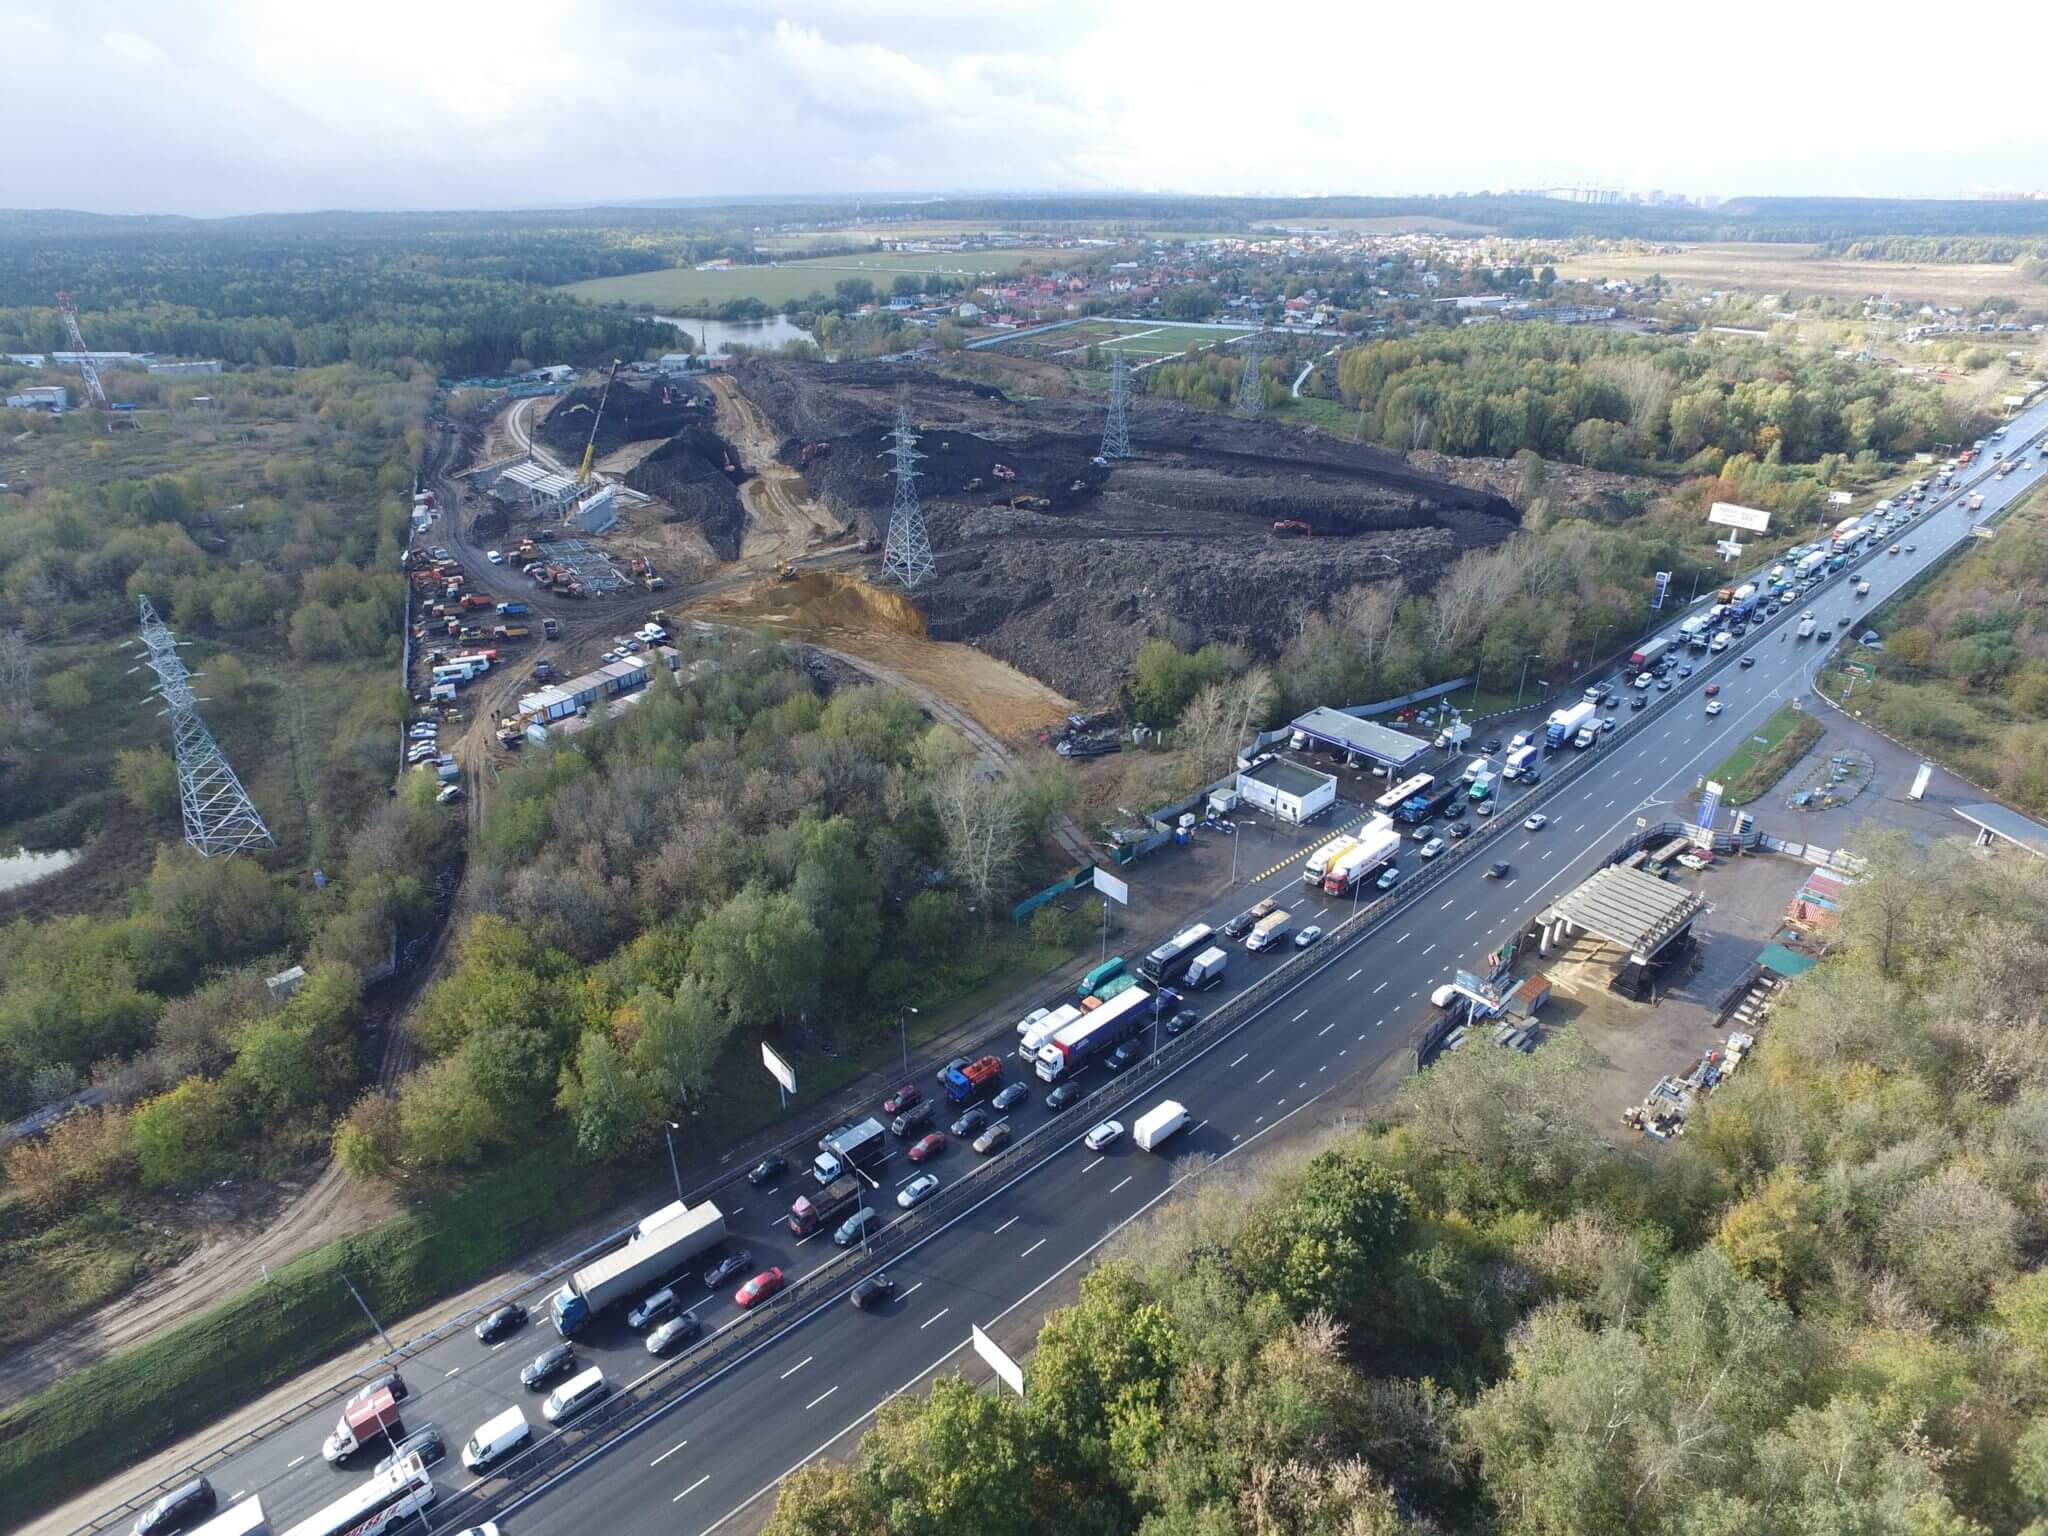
(1600, 444)
(982, 822)
(1101, 1374)
(1323, 1247)
(760, 956)
(960, 1459)
(1956, 1238)
(370, 1138)
(183, 1135)
(446, 1121)
(1774, 1236)
(681, 1038)
(837, 888)
(613, 1106)
(148, 780)
(1517, 1118)
(1189, 301)
(1368, 614)
(1894, 913)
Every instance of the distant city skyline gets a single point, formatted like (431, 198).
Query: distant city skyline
(235, 107)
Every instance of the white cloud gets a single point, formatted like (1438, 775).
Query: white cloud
(241, 106)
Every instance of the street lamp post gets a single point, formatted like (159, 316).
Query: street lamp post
(669, 1135)
(1233, 852)
(1525, 677)
(903, 1034)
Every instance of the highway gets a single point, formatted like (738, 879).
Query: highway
(708, 1459)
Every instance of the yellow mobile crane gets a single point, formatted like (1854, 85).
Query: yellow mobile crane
(590, 448)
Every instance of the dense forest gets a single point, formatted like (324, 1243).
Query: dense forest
(1820, 1312)
(740, 856)
(1612, 400)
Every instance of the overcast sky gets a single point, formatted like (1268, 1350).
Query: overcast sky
(176, 106)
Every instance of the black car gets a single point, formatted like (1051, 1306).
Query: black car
(424, 1442)
(1015, 1094)
(1457, 809)
(726, 1268)
(1498, 872)
(390, 1382)
(872, 1292)
(770, 1168)
(556, 1360)
(181, 1508)
(1531, 779)
(1749, 661)
(1459, 829)
(1639, 702)
(1239, 926)
(1187, 1018)
(680, 1329)
(971, 1121)
(500, 1323)
(1685, 671)
(1493, 746)
(1124, 1055)
(912, 1122)
(1062, 1096)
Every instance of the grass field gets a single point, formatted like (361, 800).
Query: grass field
(1766, 757)
(685, 287)
(1139, 340)
(1796, 270)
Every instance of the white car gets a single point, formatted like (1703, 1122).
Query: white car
(496, 556)
(1645, 679)
(1536, 823)
(1105, 1134)
(1311, 933)
(923, 1187)
(1713, 706)
(1432, 848)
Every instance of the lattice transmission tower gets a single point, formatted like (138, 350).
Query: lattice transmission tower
(907, 555)
(1116, 432)
(219, 815)
(1251, 389)
(94, 390)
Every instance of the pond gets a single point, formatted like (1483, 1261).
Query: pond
(21, 867)
(716, 336)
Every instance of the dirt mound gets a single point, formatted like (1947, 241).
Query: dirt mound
(689, 473)
(634, 413)
(1064, 566)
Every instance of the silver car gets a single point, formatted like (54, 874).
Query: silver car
(921, 1188)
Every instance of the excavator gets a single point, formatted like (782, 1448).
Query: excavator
(590, 448)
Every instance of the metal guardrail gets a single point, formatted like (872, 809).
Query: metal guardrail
(664, 1385)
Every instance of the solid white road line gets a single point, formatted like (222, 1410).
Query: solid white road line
(664, 1456)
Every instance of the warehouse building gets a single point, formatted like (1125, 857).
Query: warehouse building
(40, 397)
(1289, 791)
(529, 485)
(564, 699)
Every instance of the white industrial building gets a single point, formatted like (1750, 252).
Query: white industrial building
(28, 359)
(195, 365)
(1287, 790)
(553, 373)
(529, 485)
(596, 512)
(561, 700)
(104, 359)
(40, 397)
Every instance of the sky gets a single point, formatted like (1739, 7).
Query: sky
(231, 107)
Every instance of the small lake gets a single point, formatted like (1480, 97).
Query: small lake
(21, 867)
(716, 336)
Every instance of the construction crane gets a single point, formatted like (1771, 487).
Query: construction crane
(94, 390)
(590, 448)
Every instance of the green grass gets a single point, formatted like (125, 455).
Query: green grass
(1766, 757)
(68, 1268)
(687, 288)
(1140, 340)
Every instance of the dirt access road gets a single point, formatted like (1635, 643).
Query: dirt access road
(784, 520)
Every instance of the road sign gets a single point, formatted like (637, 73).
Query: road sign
(1729, 515)
(1657, 597)
(1111, 887)
(1839, 498)
(999, 1361)
(1919, 789)
(778, 1069)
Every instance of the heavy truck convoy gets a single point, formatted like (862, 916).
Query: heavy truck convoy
(659, 1247)
(1094, 1034)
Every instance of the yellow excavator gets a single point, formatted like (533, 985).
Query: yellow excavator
(590, 448)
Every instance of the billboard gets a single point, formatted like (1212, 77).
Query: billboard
(1839, 498)
(1919, 789)
(1710, 807)
(1111, 887)
(1657, 597)
(2014, 402)
(1007, 1370)
(778, 1069)
(1729, 515)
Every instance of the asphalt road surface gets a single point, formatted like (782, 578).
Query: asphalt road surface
(710, 1459)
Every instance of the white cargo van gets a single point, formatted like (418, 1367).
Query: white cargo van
(1157, 1124)
(1206, 969)
(1270, 931)
(496, 1438)
(574, 1395)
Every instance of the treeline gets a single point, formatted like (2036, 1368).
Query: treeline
(1611, 401)
(1942, 249)
(740, 856)
(1211, 377)
(1821, 1311)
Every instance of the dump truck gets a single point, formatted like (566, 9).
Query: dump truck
(977, 1077)
(811, 1211)
(660, 1246)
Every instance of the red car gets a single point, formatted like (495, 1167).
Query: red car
(1712, 689)
(931, 1146)
(909, 1096)
(766, 1283)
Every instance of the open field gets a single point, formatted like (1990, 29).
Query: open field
(684, 287)
(1138, 339)
(1764, 758)
(1796, 270)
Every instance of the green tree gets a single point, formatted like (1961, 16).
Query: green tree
(960, 1459)
(760, 956)
(1774, 1236)
(182, 1135)
(839, 892)
(1102, 1374)
(148, 780)
(370, 1139)
(682, 1035)
(612, 1105)
(445, 1119)
(1325, 1246)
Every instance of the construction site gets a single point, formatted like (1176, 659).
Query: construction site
(764, 496)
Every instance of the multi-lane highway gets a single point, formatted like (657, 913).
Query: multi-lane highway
(707, 1461)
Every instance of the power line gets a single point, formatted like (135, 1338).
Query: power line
(1251, 390)
(219, 815)
(907, 556)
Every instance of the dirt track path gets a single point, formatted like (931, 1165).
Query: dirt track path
(784, 521)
